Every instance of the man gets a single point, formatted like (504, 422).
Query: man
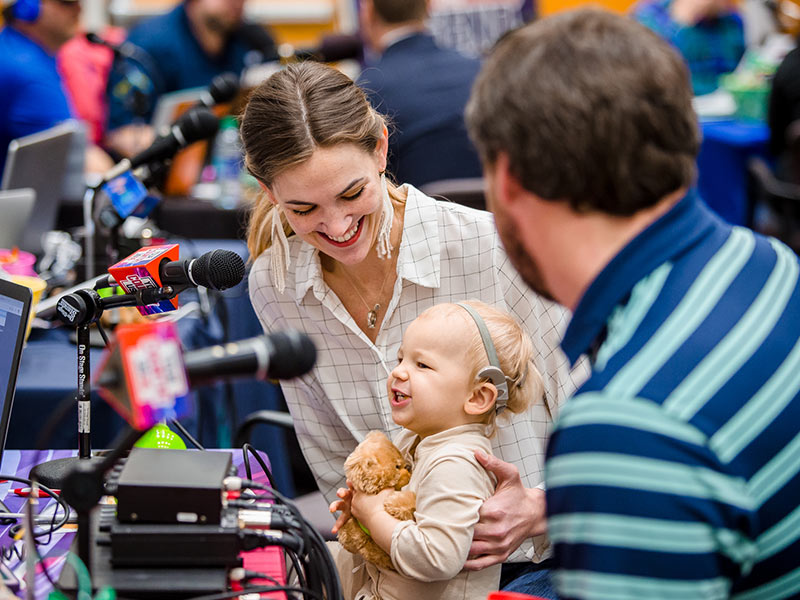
(33, 97)
(184, 48)
(422, 88)
(674, 471)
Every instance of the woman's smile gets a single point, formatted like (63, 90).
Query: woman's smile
(349, 238)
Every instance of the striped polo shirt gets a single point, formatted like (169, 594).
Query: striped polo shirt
(674, 471)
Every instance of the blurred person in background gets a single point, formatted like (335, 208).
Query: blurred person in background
(422, 88)
(784, 99)
(33, 93)
(85, 67)
(184, 48)
(708, 33)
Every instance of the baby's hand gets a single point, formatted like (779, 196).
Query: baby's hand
(363, 505)
(343, 505)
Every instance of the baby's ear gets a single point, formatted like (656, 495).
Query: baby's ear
(482, 400)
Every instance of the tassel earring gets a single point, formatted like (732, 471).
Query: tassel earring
(280, 251)
(387, 219)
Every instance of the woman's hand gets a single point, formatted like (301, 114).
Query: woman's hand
(512, 515)
(343, 504)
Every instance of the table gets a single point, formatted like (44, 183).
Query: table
(722, 165)
(19, 462)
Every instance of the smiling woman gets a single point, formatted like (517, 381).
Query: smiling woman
(346, 256)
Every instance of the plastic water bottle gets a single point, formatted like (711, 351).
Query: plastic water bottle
(227, 162)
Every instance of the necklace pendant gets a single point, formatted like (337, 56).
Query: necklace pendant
(372, 316)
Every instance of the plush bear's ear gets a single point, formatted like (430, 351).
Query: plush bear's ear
(360, 472)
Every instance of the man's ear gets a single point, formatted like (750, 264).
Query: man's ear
(482, 400)
(509, 188)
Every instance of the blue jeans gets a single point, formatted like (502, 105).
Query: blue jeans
(528, 578)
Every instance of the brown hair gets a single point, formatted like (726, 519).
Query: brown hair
(514, 352)
(292, 113)
(590, 107)
(400, 11)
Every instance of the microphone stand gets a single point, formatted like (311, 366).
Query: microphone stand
(80, 309)
(84, 486)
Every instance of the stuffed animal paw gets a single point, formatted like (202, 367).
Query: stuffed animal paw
(376, 464)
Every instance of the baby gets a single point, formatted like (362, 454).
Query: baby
(460, 366)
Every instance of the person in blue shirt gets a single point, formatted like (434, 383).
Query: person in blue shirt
(33, 97)
(674, 470)
(422, 88)
(709, 34)
(184, 48)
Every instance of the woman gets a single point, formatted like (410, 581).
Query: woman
(350, 259)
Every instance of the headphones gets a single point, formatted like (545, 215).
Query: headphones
(26, 10)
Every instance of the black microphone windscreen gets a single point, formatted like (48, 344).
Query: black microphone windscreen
(197, 124)
(95, 39)
(259, 39)
(293, 354)
(218, 269)
(224, 87)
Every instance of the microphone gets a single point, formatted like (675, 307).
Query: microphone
(196, 124)
(280, 355)
(124, 50)
(145, 373)
(158, 266)
(332, 48)
(142, 374)
(260, 41)
(216, 270)
(223, 88)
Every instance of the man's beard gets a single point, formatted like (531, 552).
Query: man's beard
(221, 26)
(525, 264)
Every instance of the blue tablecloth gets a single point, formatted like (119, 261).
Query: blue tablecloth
(722, 165)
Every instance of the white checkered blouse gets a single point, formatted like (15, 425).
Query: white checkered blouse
(448, 253)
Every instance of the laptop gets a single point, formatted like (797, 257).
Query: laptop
(15, 309)
(16, 206)
(42, 161)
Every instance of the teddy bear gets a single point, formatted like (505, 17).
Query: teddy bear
(376, 464)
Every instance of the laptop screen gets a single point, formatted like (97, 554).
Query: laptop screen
(42, 161)
(15, 308)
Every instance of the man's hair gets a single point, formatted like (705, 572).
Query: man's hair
(400, 11)
(590, 107)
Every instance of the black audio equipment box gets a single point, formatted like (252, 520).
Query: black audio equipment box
(172, 486)
(175, 545)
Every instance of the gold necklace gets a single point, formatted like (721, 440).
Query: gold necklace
(372, 315)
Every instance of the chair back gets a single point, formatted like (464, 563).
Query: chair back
(782, 199)
(793, 150)
(467, 191)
